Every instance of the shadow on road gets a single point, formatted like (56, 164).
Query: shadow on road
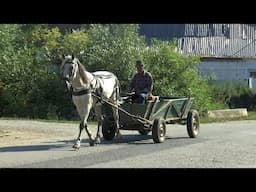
(66, 145)
(30, 148)
(128, 138)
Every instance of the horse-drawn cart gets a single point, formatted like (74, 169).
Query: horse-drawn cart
(152, 116)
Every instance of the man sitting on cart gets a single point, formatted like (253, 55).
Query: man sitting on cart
(141, 84)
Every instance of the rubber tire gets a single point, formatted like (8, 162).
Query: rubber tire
(108, 129)
(143, 132)
(193, 124)
(158, 130)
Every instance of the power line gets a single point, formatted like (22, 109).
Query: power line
(243, 47)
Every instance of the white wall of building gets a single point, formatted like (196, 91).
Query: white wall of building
(230, 69)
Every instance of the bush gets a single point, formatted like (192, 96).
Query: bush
(175, 74)
(234, 96)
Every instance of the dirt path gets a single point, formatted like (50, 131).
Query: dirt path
(23, 132)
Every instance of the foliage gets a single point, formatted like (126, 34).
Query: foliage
(175, 74)
(114, 48)
(30, 79)
(75, 43)
(242, 97)
(234, 95)
(25, 67)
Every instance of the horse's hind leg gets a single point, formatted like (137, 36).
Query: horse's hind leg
(98, 111)
(91, 140)
(115, 110)
(116, 118)
(98, 136)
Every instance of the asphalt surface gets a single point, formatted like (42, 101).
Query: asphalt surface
(219, 145)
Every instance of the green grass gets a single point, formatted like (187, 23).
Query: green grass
(251, 115)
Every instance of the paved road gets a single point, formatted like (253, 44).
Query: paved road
(219, 145)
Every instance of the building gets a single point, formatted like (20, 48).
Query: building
(227, 51)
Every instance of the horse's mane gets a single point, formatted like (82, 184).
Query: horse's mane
(82, 72)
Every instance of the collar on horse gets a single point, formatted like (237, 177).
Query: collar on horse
(97, 90)
(82, 92)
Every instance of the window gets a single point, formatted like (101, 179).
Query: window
(253, 74)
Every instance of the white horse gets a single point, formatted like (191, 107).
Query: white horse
(83, 86)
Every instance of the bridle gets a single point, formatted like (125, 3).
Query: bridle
(73, 65)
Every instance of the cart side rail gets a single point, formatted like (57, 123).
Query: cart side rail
(172, 109)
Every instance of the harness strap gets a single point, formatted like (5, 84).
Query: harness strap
(98, 87)
(83, 92)
(86, 91)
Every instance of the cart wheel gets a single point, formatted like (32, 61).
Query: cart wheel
(193, 122)
(143, 132)
(159, 130)
(108, 129)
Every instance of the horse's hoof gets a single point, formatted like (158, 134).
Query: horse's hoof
(75, 146)
(91, 142)
(97, 140)
(119, 136)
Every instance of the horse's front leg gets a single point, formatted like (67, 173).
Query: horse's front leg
(91, 140)
(86, 113)
(78, 141)
(83, 105)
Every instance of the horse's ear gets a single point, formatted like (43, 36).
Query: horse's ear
(73, 57)
(63, 56)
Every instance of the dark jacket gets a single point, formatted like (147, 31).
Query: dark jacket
(141, 83)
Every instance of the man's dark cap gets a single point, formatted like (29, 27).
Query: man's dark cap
(139, 63)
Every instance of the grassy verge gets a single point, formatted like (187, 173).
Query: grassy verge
(251, 116)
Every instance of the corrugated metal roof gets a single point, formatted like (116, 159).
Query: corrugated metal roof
(218, 46)
(219, 40)
(236, 40)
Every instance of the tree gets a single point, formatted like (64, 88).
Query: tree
(75, 43)
(175, 74)
(114, 47)
(29, 86)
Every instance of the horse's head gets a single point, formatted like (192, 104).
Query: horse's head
(69, 66)
(73, 72)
